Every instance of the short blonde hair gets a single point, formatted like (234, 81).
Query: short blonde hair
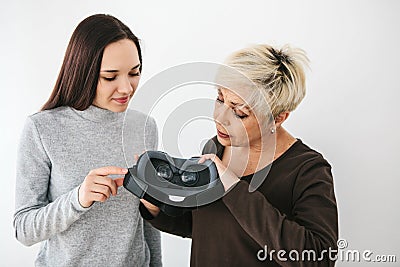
(277, 73)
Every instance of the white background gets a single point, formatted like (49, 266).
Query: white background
(350, 113)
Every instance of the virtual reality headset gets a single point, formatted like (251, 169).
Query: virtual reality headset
(175, 185)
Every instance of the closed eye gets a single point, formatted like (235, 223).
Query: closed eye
(134, 74)
(234, 110)
(110, 79)
(241, 116)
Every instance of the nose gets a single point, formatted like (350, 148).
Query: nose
(221, 115)
(125, 87)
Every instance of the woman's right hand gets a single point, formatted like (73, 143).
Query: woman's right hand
(154, 210)
(98, 187)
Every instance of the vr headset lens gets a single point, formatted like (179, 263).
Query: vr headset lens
(164, 171)
(189, 178)
(175, 181)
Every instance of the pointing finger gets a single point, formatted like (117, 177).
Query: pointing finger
(104, 171)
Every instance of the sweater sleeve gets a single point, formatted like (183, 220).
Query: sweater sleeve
(36, 218)
(180, 225)
(314, 223)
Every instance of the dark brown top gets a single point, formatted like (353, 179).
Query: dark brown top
(293, 210)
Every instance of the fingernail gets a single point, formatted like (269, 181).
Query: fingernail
(124, 170)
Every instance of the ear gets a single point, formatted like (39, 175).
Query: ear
(281, 118)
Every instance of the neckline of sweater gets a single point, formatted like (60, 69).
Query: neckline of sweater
(96, 114)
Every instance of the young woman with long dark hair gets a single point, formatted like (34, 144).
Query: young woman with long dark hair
(65, 196)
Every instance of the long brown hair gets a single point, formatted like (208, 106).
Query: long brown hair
(77, 81)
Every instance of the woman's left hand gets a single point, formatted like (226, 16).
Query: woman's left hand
(228, 178)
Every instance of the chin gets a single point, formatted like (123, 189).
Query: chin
(224, 141)
(118, 108)
(121, 109)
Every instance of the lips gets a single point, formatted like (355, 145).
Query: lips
(122, 100)
(221, 134)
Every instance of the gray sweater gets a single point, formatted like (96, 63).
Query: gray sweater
(57, 149)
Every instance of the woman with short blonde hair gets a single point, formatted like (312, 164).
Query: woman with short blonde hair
(290, 217)
(279, 74)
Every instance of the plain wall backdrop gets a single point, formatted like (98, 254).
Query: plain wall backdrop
(350, 113)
